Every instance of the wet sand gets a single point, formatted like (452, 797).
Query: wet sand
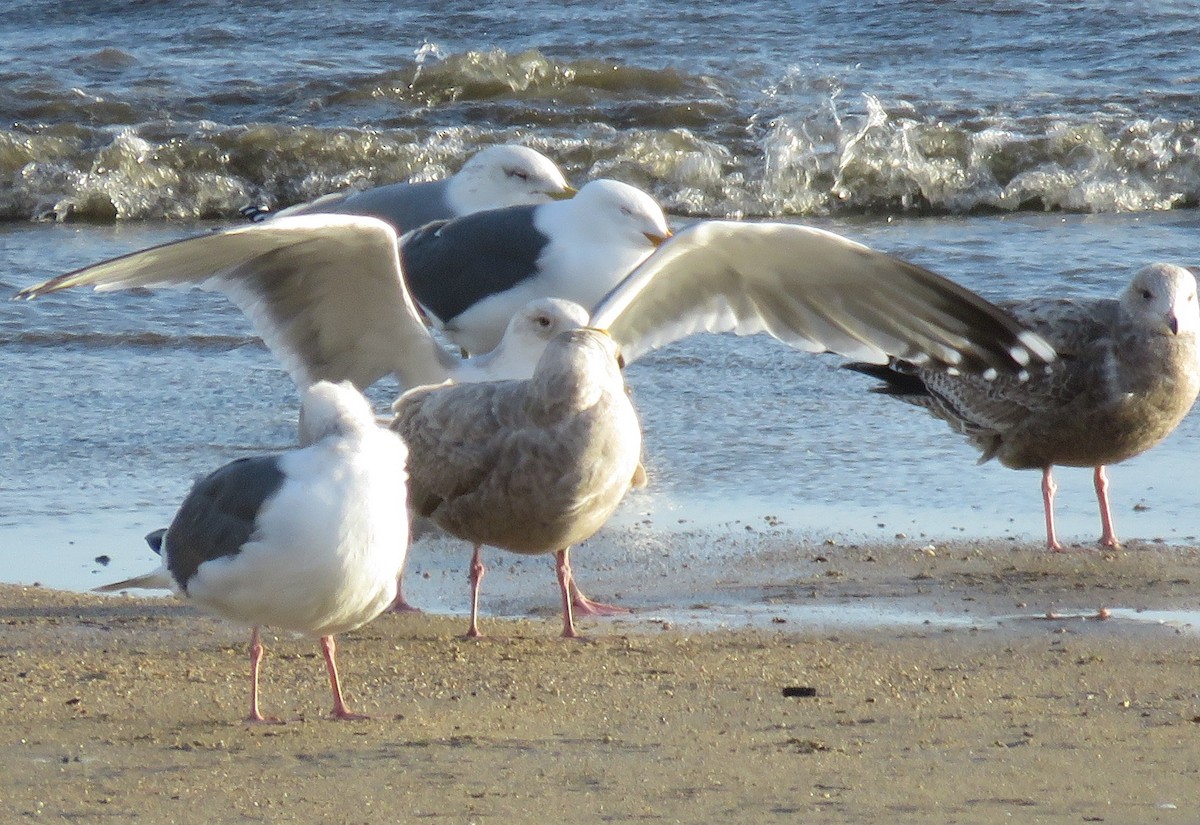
(129, 709)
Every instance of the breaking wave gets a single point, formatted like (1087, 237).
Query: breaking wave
(700, 146)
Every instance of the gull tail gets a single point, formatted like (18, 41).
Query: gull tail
(895, 381)
(159, 579)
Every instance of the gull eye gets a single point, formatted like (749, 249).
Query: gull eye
(543, 321)
(519, 174)
(1147, 295)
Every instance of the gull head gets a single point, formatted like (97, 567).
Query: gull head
(525, 339)
(580, 366)
(541, 320)
(611, 209)
(330, 409)
(506, 175)
(1161, 299)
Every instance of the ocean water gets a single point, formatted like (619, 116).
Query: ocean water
(1020, 148)
(188, 109)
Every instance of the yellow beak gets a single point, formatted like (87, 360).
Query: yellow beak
(657, 240)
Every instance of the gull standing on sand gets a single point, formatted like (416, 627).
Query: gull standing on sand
(310, 541)
(530, 466)
(811, 289)
(1127, 374)
(496, 176)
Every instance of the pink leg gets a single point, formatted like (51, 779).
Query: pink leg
(565, 580)
(477, 571)
(340, 711)
(586, 607)
(1109, 538)
(400, 604)
(256, 655)
(1049, 488)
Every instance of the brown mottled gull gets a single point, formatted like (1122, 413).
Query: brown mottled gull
(1128, 372)
(327, 294)
(529, 466)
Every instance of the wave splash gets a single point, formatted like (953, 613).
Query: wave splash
(798, 149)
(896, 160)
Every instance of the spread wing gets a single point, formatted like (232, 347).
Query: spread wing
(816, 291)
(324, 291)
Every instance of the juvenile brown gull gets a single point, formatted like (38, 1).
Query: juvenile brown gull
(1127, 374)
(811, 289)
(530, 466)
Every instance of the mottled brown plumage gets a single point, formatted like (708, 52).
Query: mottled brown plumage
(528, 466)
(1128, 371)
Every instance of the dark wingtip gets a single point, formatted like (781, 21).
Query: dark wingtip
(45, 287)
(155, 539)
(894, 381)
(255, 212)
(879, 371)
(28, 293)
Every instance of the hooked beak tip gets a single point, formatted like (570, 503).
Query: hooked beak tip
(657, 240)
(607, 334)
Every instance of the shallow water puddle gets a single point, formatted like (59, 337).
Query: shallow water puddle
(902, 615)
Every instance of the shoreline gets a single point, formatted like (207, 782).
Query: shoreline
(138, 702)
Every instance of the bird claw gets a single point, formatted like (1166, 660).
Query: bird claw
(264, 720)
(343, 715)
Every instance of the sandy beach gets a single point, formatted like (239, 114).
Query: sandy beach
(805, 646)
(1037, 709)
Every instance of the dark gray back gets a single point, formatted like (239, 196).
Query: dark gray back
(219, 514)
(404, 205)
(452, 265)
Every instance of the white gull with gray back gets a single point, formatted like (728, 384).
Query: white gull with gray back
(311, 540)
